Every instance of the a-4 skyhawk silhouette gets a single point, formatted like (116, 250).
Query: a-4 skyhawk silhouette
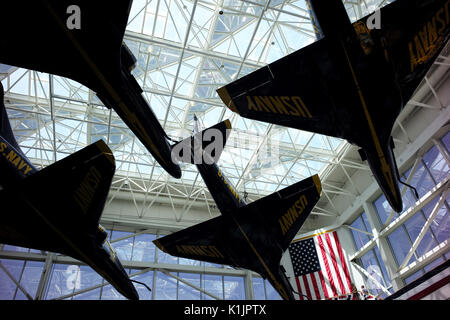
(83, 40)
(58, 208)
(252, 236)
(353, 82)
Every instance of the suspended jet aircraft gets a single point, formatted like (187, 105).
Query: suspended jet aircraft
(82, 40)
(352, 83)
(58, 208)
(251, 236)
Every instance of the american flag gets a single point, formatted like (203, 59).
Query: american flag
(320, 268)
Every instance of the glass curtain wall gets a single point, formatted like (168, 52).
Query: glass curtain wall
(428, 172)
(19, 279)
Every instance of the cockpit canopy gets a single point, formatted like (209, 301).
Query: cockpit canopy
(101, 236)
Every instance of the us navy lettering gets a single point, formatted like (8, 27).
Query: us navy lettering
(14, 159)
(286, 105)
(206, 251)
(86, 191)
(287, 220)
(424, 44)
(228, 184)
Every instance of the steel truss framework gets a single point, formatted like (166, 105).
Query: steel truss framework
(185, 51)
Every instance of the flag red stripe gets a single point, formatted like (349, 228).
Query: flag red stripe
(299, 288)
(327, 266)
(308, 292)
(324, 287)
(335, 265)
(341, 256)
(316, 289)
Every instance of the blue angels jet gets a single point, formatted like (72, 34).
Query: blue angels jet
(58, 208)
(83, 40)
(353, 82)
(253, 236)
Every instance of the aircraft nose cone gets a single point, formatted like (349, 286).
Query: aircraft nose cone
(397, 206)
(394, 200)
(130, 292)
(175, 171)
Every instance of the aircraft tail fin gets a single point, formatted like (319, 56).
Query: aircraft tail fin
(285, 211)
(331, 18)
(204, 146)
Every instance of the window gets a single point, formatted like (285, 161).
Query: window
(110, 293)
(263, 290)
(80, 282)
(166, 287)
(413, 227)
(271, 293)
(8, 288)
(421, 180)
(144, 248)
(165, 257)
(234, 288)
(446, 141)
(431, 170)
(374, 265)
(124, 248)
(27, 273)
(400, 244)
(68, 279)
(147, 278)
(212, 284)
(402, 239)
(436, 164)
(383, 208)
(419, 273)
(89, 295)
(189, 262)
(360, 238)
(441, 223)
(210, 264)
(416, 275)
(187, 292)
(259, 290)
(7, 247)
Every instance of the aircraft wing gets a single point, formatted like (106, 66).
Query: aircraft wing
(288, 92)
(413, 32)
(199, 242)
(52, 208)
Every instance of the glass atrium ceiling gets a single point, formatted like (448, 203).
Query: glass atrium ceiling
(186, 50)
